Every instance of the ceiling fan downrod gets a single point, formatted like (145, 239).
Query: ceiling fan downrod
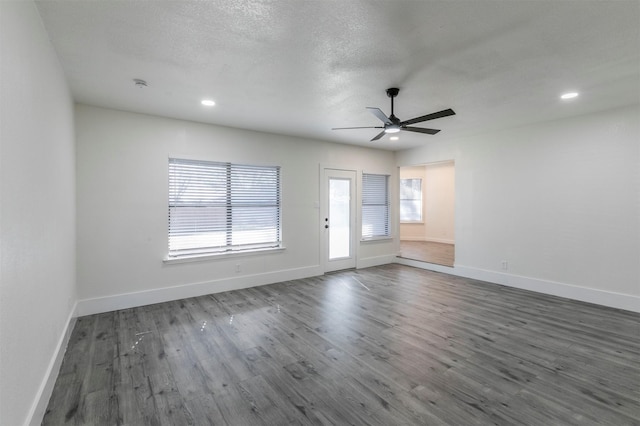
(392, 93)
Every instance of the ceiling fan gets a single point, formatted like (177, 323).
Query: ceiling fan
(392, 124)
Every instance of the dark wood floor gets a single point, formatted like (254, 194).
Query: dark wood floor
(428, 251)
(390, 345)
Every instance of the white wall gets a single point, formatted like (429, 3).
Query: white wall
(560, 202)
(438, 203)
(37, 214)
(122, 196)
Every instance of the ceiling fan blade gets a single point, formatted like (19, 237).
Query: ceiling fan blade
(432, 116)
(347, 128)
(378, 113)
(421, 130)
(378, 136)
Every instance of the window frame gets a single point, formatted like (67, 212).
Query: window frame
(236, 213)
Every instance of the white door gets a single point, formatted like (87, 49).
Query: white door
(338, 219)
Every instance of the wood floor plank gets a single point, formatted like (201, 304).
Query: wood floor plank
(378, 346)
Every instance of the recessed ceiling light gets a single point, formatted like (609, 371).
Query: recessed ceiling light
(207, 102)
(394, 138)
(569, 95)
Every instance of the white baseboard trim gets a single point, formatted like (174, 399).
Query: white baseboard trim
(41, 401)
(412, 239)
(375, 261)
(610, 299)
(131, 300)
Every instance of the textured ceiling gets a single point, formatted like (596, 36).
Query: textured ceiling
(302, 67)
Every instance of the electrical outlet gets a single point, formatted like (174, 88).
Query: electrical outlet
(238, 267)
(505, 265)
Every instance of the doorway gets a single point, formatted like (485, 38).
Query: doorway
(338, 217)
(427, 205)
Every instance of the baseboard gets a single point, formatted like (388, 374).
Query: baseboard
(610, 299)
(41, 401)
(166, 294)
(375, 261)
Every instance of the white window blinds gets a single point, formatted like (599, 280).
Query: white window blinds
(222, 207)
(375, 206)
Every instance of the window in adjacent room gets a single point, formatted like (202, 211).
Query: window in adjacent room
(410, 200)
(222, 207)
(375, 206)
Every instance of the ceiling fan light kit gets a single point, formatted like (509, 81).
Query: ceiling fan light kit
(393, 124)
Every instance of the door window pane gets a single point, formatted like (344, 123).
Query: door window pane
(339, 218)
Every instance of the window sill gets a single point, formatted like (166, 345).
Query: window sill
(376, 239)
(217, 256)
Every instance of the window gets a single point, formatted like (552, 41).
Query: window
(375, 206)
(410, 200)
(222, 207)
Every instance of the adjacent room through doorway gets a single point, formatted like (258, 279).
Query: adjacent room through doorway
(427, 205)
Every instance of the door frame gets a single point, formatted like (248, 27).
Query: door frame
(425, 198)
(326, 172)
